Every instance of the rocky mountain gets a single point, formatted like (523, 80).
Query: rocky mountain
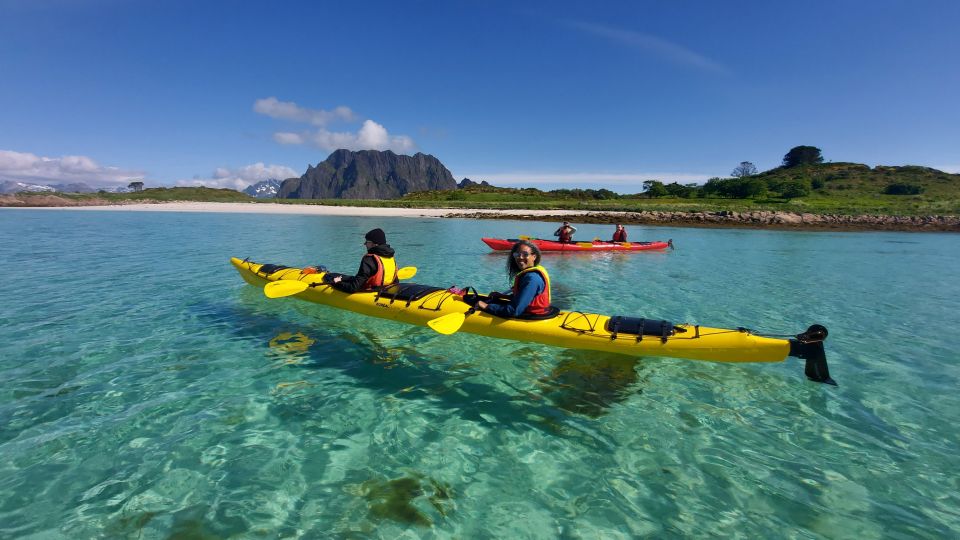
(264, 189)
(368, 174)
(75, 187)
(466, 182)
(9, 186)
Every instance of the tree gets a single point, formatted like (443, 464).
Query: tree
(682, 192)
(136, 186)
(713, 188)
(654, 188)
(753, 188)
(802, 155)
(744, 169)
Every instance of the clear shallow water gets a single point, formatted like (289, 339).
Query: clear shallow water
(147, 392)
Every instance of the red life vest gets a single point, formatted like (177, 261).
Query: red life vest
(386, 266)
(540, 305)
(565, 235)
(620, 236)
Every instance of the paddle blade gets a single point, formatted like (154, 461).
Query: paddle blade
(284, 287)
(447, 324)
(524, 237)
(406, 272)
(585, 244)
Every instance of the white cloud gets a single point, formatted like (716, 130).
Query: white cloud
(239, 178)
(30, 168)
(288, 110)
(288, 138)
(370, 136)
(652, 44)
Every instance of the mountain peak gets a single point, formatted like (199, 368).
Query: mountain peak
(369, 174)
(264, 189)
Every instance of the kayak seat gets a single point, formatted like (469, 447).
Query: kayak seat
(636, 326)
(268, 269)
(406, 292)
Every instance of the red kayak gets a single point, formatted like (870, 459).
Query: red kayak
(500, 244)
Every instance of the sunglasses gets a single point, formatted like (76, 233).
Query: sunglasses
(522, 254)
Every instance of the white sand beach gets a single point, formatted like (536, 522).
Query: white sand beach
(308, 209)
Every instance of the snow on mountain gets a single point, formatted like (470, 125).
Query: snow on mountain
(265, 189)
(9, 186)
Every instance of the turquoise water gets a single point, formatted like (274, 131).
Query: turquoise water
(146, 391)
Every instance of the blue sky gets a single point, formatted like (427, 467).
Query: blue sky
(545, 94)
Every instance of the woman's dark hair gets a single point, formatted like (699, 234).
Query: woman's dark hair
(513, 268)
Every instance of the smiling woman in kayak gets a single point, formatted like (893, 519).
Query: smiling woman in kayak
(531, 285)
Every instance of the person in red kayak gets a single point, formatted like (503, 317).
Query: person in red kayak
(531, 285)
(619, 235)
(565, 232)
(377, 267)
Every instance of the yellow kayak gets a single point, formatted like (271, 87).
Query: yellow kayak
(447, 312)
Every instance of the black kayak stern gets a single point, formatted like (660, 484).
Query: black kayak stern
(809, 346)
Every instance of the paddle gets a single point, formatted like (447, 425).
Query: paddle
(290, 287)
(447, 324)
(284, 287)
(406, 272)
(585, 244)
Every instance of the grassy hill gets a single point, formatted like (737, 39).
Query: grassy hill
(841, 188)
(179, 194)
(201, 194)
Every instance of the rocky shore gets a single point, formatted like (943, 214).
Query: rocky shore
(753, 220)
(722, 218)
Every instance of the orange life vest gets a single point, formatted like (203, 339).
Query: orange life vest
(540, 304)
(386, 266)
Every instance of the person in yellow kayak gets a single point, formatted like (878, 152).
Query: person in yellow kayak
(378, 268)
(531, 285)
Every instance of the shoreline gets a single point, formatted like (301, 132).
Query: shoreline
(701, 219)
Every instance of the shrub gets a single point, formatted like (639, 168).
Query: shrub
(903, 189)
(794, 189)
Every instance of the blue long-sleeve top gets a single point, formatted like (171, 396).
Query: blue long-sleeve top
(531, 284)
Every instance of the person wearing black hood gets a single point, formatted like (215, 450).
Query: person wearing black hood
(377, 267)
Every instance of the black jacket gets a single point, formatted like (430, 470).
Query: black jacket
(368, 267)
